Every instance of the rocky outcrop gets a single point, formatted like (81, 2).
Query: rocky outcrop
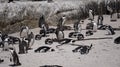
(16, 12)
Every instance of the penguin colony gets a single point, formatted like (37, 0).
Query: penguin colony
(27, 37)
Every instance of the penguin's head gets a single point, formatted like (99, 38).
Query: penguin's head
(73, 41)
(11, 49)
(90, 11)
(63, 16)
(52, 50)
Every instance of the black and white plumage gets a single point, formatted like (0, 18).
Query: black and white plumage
(1, 60)
(23, 46)
(38, 37)
(1, 41)
(94, 26)
(44, 49)
(10, 1)
(77, 26)
(102, 27)
(24, 31)
(49, 41)
(100, 20)
(15, 57)
(110, 30)
(6, 44)
(91, 15)
(89, 26)
(83, 49)
(66, 41)
(117, 40)
(51, 30)
(13, 40)
(89, 32)
(30, 39)
(77, 35)
(59, 34)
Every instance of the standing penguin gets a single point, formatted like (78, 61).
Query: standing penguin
(61, 22)
(91, 15)
(15, 57)
(23, 46)
(59, 34)
(77, 26)
(43, 25)
(41, 21)
(24, 31)
(114, 16)
(30, 39)
(59, 31)
(1, 41)
(100, 20)
(6, 43)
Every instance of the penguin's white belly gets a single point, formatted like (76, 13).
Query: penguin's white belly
(109, 32)
(6, 46)
(32, 42)
(94, 27)
(90, 16)
(24, 33)
(0, 39)
(60, 35)
(114, 16)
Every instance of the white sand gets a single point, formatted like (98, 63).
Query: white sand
(104, 52)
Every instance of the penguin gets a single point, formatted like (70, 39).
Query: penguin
(23, 46)
(41, 21)
(49, 41)
(66, 41)
(13, 40)
(15, 57)
(91, 15)
(110, 30)
(6, 44)
(1, 60)
(30, 39)
(24, 31)
(89, 32)
(100, 20)
(44, 49)
(117, 40)
(1, 41)
(59, 34)
(77, 26)
(38, 37)
(83, 49)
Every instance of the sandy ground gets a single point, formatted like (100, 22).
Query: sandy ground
(104, 52)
